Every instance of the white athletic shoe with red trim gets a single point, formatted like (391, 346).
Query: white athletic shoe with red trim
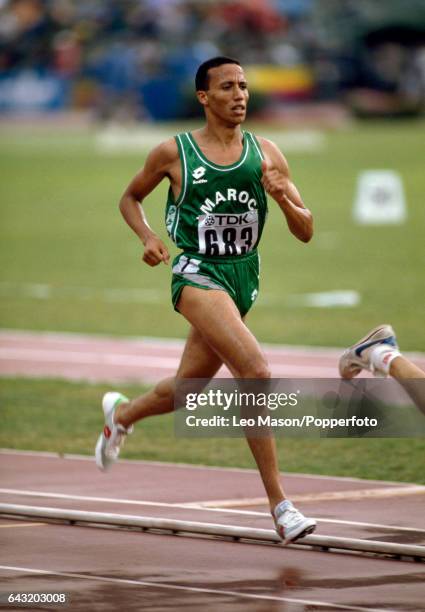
(291, 524)
(113, 435)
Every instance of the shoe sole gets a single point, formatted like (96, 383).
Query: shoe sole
(98, 454)
(388, 333)
(306, 531)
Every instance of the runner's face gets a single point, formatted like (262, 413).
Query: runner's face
(227, 95)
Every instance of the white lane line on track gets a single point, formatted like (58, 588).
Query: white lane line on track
(133, 502)
(7, 334)
(21, 335)
(18, 524)
(189, 505)
(327, 496)
(165, 585)
(85, 357)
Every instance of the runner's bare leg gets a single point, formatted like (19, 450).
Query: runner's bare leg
(218, 335)
(216, 317)
(214, 314)
(402, 368)
(411, 378)
(198, 361)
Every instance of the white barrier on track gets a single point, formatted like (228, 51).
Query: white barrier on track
(212, 529)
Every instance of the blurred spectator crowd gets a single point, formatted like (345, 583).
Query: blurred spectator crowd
(122, 56)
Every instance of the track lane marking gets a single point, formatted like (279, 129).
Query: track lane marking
(328, 496)
(86, 357)
(191, 506)
(165, 585)
(11, 354)
(11, 525)
(22, 335)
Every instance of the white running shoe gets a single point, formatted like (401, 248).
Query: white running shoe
(290, 523)
(113, 435)
(358, 357)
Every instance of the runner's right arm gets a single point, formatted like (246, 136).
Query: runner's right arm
(161, 162)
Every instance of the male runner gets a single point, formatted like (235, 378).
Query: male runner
(216, 211)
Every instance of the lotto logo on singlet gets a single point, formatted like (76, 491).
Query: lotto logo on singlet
(227, 234)
(198, 175)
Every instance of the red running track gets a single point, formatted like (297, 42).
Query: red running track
(105, 569)
(98, 358)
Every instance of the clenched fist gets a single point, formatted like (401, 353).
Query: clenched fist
(155, 252)
(274, 182)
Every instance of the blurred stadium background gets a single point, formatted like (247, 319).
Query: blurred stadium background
(87, 88)
(121, 58)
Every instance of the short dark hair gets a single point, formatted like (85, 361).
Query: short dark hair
(202, 78)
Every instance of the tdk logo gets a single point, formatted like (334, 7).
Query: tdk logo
(245, 218)
(198, 174)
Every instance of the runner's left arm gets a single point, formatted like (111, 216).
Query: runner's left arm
(277, 182)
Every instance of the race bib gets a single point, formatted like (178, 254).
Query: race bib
(232, 234)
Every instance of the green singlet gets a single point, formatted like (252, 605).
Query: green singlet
(217, 221)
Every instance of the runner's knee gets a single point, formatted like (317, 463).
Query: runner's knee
(256, 369)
